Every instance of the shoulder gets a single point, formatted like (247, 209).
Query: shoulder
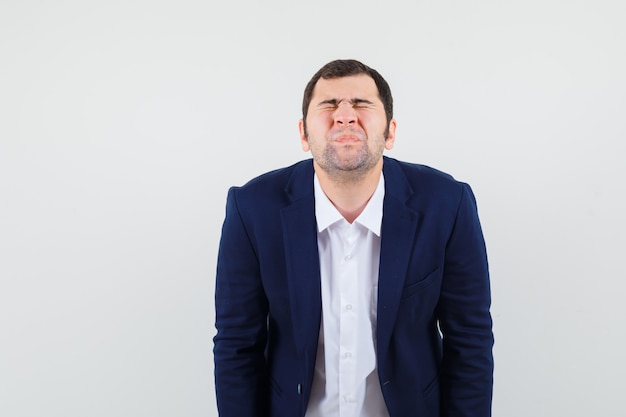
(423, 172)
(273, 185)
(426, 185)
(421, 177)
(275, 177)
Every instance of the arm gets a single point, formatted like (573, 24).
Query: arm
(241, 320)
(465, 320)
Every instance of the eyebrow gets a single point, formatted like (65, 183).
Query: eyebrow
(335, 102)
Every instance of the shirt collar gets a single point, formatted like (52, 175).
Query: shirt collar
(371, 217)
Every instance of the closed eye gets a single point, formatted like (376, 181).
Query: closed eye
(328, 104)
(361, 103)
(357, 103)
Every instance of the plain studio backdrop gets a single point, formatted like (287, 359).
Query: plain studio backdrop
(122, 125)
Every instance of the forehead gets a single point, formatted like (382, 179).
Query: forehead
(353, 86)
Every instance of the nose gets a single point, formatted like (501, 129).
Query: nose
(344, 114)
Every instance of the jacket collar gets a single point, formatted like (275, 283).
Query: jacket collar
(300, 184)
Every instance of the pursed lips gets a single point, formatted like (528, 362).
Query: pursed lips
(345, 137)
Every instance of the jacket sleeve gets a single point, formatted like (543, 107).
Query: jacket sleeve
(241, 310)
(464, 318)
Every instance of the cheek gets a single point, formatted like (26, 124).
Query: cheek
(320, 122)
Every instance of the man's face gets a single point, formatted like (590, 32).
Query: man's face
(346, 125)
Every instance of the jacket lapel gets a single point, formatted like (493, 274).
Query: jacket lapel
(399, 226)
(302, 259)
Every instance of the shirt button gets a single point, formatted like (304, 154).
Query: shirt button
(348, 257)
(348, 355)
(349, 307)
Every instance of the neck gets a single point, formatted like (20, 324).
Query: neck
(349, 193)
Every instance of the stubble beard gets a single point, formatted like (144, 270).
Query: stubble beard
(350, 165)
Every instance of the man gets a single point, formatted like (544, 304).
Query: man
(352, 284)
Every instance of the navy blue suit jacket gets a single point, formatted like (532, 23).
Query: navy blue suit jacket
(434, 332)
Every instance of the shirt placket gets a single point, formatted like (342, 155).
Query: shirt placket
(349, 310)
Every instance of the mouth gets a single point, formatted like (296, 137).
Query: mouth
(347, 139)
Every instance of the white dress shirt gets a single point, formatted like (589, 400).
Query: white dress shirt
(346, 379)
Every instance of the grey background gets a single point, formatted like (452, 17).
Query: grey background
(122, 125)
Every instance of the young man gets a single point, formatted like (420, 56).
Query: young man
(352, 284)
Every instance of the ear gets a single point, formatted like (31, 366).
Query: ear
(391, 137)
(303, 139)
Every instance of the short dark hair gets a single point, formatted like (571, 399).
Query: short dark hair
(344, 68)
